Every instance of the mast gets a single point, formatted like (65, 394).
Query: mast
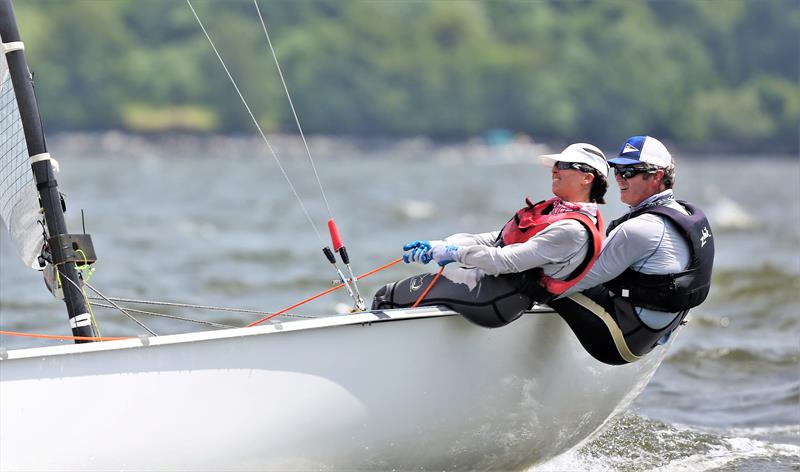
(62, 245)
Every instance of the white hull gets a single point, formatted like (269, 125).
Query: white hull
(419, 389)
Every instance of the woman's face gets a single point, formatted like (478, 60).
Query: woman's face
(571, 185)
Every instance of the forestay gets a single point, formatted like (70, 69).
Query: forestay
(19, 201)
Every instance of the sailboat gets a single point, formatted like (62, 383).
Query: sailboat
(418, 388)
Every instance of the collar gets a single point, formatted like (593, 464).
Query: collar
(561, 206)
(661, 198)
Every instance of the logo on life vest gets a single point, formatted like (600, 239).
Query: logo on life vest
(416, 284)
(704, 235)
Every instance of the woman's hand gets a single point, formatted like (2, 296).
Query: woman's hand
(417, 251)
(444, 254)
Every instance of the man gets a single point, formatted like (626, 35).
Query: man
(543, 250)
(654, 266)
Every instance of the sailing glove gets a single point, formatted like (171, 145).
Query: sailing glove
(417, 251)
(444, 254)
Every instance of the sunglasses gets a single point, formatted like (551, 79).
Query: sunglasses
(561, 165)
(627, 172)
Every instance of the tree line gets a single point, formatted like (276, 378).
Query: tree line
(716, 73)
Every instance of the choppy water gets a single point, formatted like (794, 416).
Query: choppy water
(214, 223)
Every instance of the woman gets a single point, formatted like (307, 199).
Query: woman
(541, 252)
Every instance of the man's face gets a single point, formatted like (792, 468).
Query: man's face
(635, 189)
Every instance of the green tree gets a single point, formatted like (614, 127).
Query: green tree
(702, 72)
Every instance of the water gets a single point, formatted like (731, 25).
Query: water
(214, 223)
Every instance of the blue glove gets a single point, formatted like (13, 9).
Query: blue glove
(417, 251)
(444, 254)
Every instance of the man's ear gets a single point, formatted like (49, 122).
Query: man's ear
(659, 176)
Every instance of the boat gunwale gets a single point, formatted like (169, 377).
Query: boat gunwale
(364, 318)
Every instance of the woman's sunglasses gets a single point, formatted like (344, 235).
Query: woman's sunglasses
(561, 165)
(627, 172)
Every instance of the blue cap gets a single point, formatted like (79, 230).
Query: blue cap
(642, 150)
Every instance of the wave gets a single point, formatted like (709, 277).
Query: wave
(766, 280)
(763, 299)
(635, 443)
(727, 215)
(738, 454)
(736, 355)
(416, 210)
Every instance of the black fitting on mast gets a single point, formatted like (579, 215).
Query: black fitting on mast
(80, 320)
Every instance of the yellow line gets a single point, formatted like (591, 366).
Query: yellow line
(616, 333)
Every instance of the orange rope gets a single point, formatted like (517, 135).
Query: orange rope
(337, 287)
(435, 278)
(53, 336)
(295, 305)
(385, 266)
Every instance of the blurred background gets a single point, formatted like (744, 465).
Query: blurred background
(714, 74)
(425, 119)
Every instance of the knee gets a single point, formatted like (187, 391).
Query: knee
(383, 297)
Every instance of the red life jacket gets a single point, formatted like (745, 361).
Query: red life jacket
(532, 219)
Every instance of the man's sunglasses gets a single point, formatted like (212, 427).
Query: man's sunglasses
(627, 172)
(561, 165)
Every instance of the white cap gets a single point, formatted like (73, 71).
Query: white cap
(584, 153)
(643, 149)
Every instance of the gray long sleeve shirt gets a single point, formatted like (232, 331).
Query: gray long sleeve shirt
(648, 244)
(558, 250)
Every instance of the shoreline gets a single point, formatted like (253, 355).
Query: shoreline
(121, 144)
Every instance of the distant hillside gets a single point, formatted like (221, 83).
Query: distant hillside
(705, 73)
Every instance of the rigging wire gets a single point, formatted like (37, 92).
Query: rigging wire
(338, 246)
(124, 312)
(172, 317)
(198, 307)
(294, 113)
(255, 122)
(87, 338)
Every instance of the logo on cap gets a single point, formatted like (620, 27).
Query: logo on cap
(629, 148)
